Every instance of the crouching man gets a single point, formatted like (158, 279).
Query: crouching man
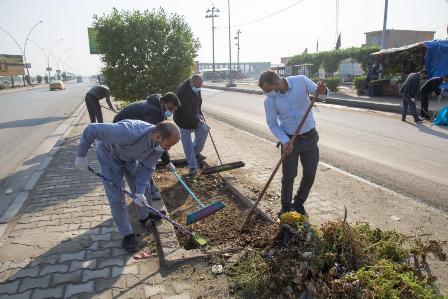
(127, 149)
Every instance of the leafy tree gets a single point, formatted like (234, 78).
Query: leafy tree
(39, 79)
(46, 79)
(144, 52)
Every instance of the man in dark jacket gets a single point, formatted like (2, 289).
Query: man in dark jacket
(93, 97)
(153, 110)
(432, 85)
(408, 92)
(190, 119)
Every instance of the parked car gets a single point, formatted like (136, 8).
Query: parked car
(57, 84)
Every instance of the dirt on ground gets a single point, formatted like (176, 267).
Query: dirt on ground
(221, 229)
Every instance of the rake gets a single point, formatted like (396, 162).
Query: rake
(198, 239)
(204, 211)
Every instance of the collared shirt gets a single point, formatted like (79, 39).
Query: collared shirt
(125, 141)
(285, 111)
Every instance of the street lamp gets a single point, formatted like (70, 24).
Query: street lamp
(48, 58)
(237, 37)
(230, 84)
(59, 59)
(23, 50)
(211, 13)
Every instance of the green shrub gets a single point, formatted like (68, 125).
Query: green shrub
(39, 79)
(360, 84)
(2, 86)
(332, 83)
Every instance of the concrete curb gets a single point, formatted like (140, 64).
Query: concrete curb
(58, 137)
(394, 108)
(19, 89)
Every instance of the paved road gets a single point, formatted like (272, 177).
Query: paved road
(408, 158)
(27, 118)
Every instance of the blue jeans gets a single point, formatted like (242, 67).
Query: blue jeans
(116, 171)
(408, 103)
(192, 148)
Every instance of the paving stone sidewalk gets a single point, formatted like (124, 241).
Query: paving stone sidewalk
(63, 244)
(332, 190)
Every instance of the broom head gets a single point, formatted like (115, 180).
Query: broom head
(205, 212)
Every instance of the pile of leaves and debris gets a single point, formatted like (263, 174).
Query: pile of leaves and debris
(337, 260)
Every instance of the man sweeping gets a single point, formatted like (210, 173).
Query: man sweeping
(409, 92)
(286, 101)
(155, 109)
(93, 98)
(430, 86)
(129, 149)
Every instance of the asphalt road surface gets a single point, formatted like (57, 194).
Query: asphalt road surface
(27, 118)
(405, 157)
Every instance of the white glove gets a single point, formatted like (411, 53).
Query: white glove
(140, 200)
(81, 163)
(413, 100)
(170, 166)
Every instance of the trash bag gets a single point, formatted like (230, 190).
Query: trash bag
(442, 117)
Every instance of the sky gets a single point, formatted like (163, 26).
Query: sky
(287, 33)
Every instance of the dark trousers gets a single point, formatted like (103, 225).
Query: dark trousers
(408, 103)
(424, 105)
(94, 109)
(305, 149)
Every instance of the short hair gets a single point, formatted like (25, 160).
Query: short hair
(196, 77)
(171, 97)
(166, 129)
(268, 76)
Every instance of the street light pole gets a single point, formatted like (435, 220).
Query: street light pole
(383, 36)
(48, 58)
(210, 13)
(60, 58)
(230, 84)
(22, 50)
(237, 37)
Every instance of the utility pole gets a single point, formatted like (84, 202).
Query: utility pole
(237, 37)
(383, 36)
(230, 84)
(211, 13)
(48, 58)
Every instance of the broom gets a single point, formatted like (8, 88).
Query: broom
(204, 211)
(198, 239)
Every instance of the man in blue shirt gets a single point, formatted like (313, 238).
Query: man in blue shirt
(129, 148)
(286, 101)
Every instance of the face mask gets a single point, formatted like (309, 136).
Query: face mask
(272, 93)
(168, 114)
(195, 89)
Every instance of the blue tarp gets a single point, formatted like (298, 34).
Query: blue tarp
(436, 59)
(442, 117)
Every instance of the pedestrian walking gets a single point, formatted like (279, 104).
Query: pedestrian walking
(190, 120)
(155, 109)
(93, 97)
(409, 92)
(430, 86)
(128, 149)
(286, 101)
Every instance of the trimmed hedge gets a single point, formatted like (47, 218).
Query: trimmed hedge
(333, 83)
(360, 84)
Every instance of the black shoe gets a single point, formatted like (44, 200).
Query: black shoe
(299, 208)
(151, 217)
(419, 120)
(200, 157)
(282, 211)
(403, 119)
(130, 243)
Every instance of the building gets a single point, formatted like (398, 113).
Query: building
(397, 38)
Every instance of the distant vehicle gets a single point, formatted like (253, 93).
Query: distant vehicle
(78, 79)
(57, 84)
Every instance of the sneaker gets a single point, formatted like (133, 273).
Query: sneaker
(156, 195)
(200, 157)
(192, 172)
(130, 243)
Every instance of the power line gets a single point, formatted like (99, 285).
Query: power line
(268, 16)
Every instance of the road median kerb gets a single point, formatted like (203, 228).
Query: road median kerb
(369, 105)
